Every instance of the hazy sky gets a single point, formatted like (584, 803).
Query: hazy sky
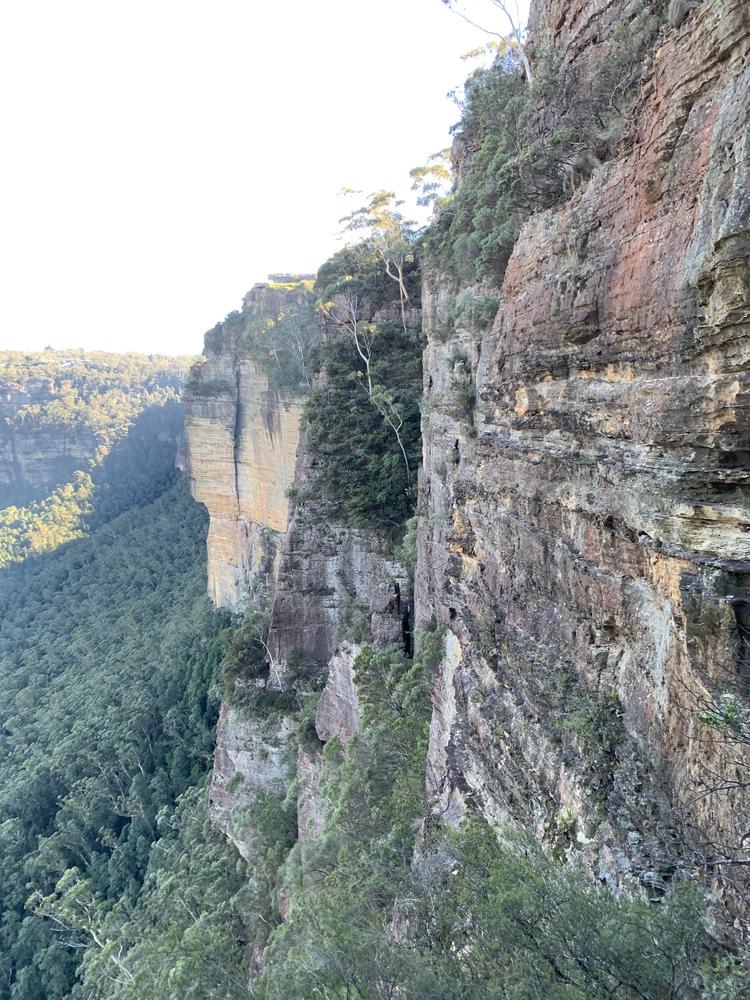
(160, 156)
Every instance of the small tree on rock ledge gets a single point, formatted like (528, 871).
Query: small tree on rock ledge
(344, 312)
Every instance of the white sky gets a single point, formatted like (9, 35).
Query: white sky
(160, 156)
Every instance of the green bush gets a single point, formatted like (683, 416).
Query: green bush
(406, 551)
(361, 474)
(475, 311)
(464, 395)
(244, 658)
(473, 235)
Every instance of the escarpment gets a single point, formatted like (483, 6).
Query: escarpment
(61, 412)
(582, 531)
(34, 458)
(585, 537)
(242, 432)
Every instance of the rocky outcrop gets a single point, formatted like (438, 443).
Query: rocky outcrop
(251, 757)
(338, 710)
(587, 536)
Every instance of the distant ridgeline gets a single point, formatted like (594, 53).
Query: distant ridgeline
(64, 417)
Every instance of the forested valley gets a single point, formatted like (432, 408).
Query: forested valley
(108, 666)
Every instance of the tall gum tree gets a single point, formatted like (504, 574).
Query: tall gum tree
(389, 235)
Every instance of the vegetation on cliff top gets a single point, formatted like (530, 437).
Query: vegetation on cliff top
(522, 146)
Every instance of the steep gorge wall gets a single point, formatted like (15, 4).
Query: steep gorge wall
(242, 436)
(583, 530)
(586, 532)
(325, 581)
(34, 459)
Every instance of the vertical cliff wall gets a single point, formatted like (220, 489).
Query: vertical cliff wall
(327, 586)
(242, 445)
(583, 527)
(585, 537)
(242, 434)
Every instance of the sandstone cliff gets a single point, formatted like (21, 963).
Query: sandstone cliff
(587, 541)
(242, 436)
(35, 458)
(583, 515)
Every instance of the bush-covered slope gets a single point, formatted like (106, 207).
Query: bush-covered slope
(108, 654)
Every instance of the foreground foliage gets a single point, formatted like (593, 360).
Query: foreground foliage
(183, 937)
(467, 917)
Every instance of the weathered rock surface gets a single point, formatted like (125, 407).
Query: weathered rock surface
(338, 710)
(585, 535)
(251, 756)
(242, 437)
(587, 538)
(335, 588)
(332, 580)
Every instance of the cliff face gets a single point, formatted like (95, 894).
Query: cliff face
(586, 541)
(330, 576)
(35, 458)
(583, 517)
(242, 445)
(242, 437)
